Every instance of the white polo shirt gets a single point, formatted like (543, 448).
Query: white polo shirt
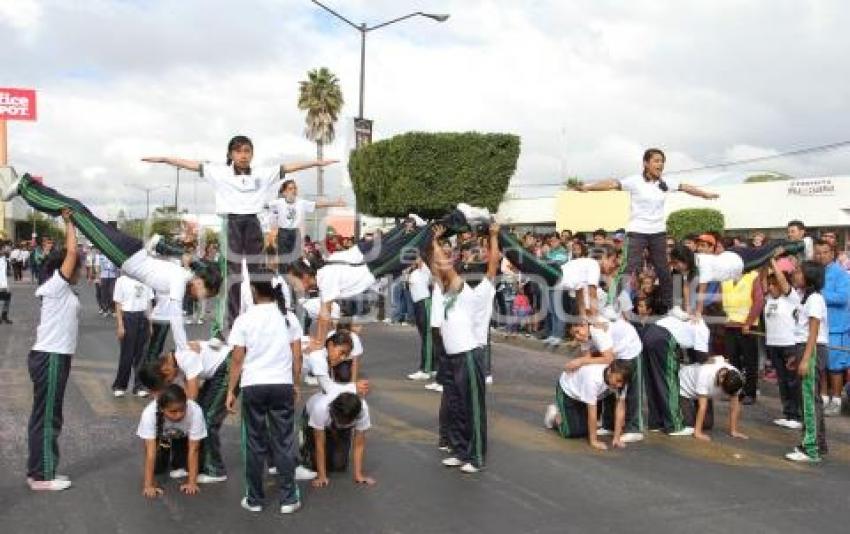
(419, 282)
(484, 294)
(579, 273)
(586, 384)
(132, 295)
(348, 278)
(814, 307)
(318, 411)
(59, 323)
(646, 214)
(688, 335)
(244, 194)
(780, 319)
(289, 215)
(458, 325)
(267, 339)
(719, 267)
(192, 425)
(700, 380)
(4, 281)
(201, 365)
(626, 340)
(437, 309)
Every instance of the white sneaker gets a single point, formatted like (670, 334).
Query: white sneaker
(444, 448)
(250, 508)
(549, 418)
(209, 479)
(11, 192)
(118, 393)
(387, 321)
(469, 469)
(679, 313)
(419, 375)
(49, 485)
(800, 456)
(687, 431)
(290, 508)
(438, 389)
(142, 393)
(311, 380)
(178, 473)
(150, 246)
(489, 380)
(603, 432)
(631, 437)
(452, 462)
(302, 473)
(794, 425)
(272, 470)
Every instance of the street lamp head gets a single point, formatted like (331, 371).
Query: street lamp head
(438, 18)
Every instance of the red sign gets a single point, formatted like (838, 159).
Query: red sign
(17, 104)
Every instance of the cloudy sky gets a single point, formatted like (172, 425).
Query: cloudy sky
(587, 84)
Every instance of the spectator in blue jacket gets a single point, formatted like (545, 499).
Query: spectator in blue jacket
(556, 315)
(836, 292)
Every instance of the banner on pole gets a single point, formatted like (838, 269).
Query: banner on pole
(17, 104)
(362, 132)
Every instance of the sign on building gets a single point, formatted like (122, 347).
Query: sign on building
(17, 104)
(812, 187)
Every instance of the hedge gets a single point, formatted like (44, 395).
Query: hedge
(694, 221)
(429, 173)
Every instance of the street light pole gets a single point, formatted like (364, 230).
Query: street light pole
(148, 191)
(177, 191)
(363, 28)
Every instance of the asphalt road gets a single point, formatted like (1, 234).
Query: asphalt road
(534, 481)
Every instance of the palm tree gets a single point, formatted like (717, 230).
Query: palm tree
(321, 97)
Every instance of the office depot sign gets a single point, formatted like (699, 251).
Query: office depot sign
(17, 104)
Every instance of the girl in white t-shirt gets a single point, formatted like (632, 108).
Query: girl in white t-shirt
(5, 295)
(286, 223)
(241, 193)
(781, 308)
(49, 361)
(811, 335)
(266, 365)
(172, 428)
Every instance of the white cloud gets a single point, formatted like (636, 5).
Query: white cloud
(586, 84)
(20, 14)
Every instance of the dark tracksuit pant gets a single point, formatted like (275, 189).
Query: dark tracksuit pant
(156, 343)
(132, 348)
(49, 374)
(661, 361)
(290, 247)
(243, 237)
(656, 244)
(422, 317)
(268, 417)
(755, 257)
(171, 454)
(689, 409)
(743, 354)
(464, 395)
(337, 446)
(211, 399)
(813, 442)
(573, 415)
(107, 292)
(786, 379)
(634, 401)
(5, 300)
(443, 377)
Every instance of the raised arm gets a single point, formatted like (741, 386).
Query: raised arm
(187, 164)
(287, 168)
(602, 185)
(784, 286)
(697, 192)
(338, 203)
(70, 262)
(494, 257)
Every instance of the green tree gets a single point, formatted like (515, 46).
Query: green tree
(767, 177)
(166, 220)
(694, 221)
(44, 226)
(320, 96)
(429, 173)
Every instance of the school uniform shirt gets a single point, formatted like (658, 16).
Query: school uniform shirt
(626, 340)
(349, 277)
(419, 283)
(437, 308)
(289, 215)
(586, 384)
(192, 425)
(599, 338)
(313, 306)
(4, 280)
(59, 323)
(700, 380)
(814, 307)
(688, 335)
(107, 268)
(646, 214)
(202, 365)
(579, 273)
(484, 294)
(356, 344)
(318, 411)
(719, 267)
(132, 295)
(780, 319)
(244, 194)
(458, 326)
(264, 333)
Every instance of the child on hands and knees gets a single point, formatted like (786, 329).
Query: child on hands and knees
(172, 428)
(699, 383)
(575, 412)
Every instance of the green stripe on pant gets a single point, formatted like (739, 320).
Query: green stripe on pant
(48, 459)
(428, 342)
(561, 401)
(671, 366)
(243, 446)
(810, 423)
(212, 411)
(476, 409)
(217, 326)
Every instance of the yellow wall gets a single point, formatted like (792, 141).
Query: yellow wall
(585, 212)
